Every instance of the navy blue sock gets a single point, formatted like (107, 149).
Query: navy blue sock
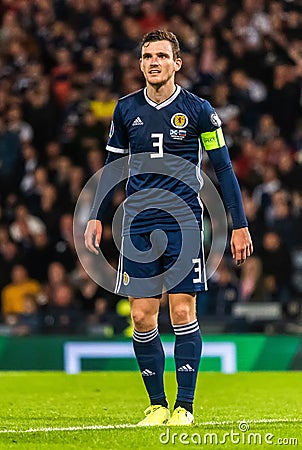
(187, 353)
(150, 356)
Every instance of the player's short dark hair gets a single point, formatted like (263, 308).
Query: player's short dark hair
(162, 35)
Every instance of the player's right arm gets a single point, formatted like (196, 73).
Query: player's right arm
(93, 235)
(111, 175)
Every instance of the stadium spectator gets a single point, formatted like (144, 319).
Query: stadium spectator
(64, 249)
(266, 129)
(255, 220)
(32, 197)
(39, 108)
(25, 226)
(56, 274)
(62, 315)
(103, 323)
(290, 172)
(95, 161)
(250, 281)
(221, 101)
(99, 311)
(276, 267)
(58, 57)
(13, 293)
(10, 159)
(17, 125)
(39, 251)
(103, 104)
(248, 163)
(9, 257)
(89, 134)
(224, 291)
(61, 177)
(285, 92)
(76, 182)
(270, 184)
(49, 211)
(152, 17)
(4, 236)
(249, 95)
(30, 163)
(62, 74)
(87, 291)
(29, 320)
(236, 135)
(279, 218)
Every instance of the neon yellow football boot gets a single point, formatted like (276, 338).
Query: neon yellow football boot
(155, 415)
(181, 416)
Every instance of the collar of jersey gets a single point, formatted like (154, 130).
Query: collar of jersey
(166, 102)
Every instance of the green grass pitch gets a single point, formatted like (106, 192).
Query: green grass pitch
(53, 410)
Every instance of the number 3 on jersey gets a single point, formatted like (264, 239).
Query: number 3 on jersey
(158, 143)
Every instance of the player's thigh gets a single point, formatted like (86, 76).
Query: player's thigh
(184, 262)
(139, 270)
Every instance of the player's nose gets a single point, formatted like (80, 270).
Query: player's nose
(154, 60)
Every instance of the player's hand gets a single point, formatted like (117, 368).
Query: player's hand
(92, 235)
(241, 245)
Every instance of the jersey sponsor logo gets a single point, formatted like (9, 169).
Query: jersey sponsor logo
(111, 131)
(215, 120)
(178, 134)
(179, 120)
(137, 121)
(126, 279)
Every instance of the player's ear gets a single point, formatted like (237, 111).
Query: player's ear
(177, 64)
(141, 64)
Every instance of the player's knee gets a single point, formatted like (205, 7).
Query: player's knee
(142, 320)
(180, 314)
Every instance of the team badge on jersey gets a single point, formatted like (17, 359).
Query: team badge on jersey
(126, 279)
(179, 120)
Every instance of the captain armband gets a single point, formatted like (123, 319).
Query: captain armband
(213, 139)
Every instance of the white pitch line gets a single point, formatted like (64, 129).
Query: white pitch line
(128, 425)
(79, 428)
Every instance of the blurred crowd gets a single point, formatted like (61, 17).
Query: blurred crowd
(63, 65)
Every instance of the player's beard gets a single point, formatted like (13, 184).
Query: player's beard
(164, 81)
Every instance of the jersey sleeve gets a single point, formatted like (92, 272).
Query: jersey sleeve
(211, 136)
(118, 141)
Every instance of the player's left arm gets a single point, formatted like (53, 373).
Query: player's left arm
(214, 144)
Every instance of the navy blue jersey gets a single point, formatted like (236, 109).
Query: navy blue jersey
(149, 132)
(161, 189)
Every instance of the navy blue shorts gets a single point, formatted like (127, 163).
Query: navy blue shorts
(161, 261)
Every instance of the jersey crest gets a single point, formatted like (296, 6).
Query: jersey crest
(126, 279)
(179, 120)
